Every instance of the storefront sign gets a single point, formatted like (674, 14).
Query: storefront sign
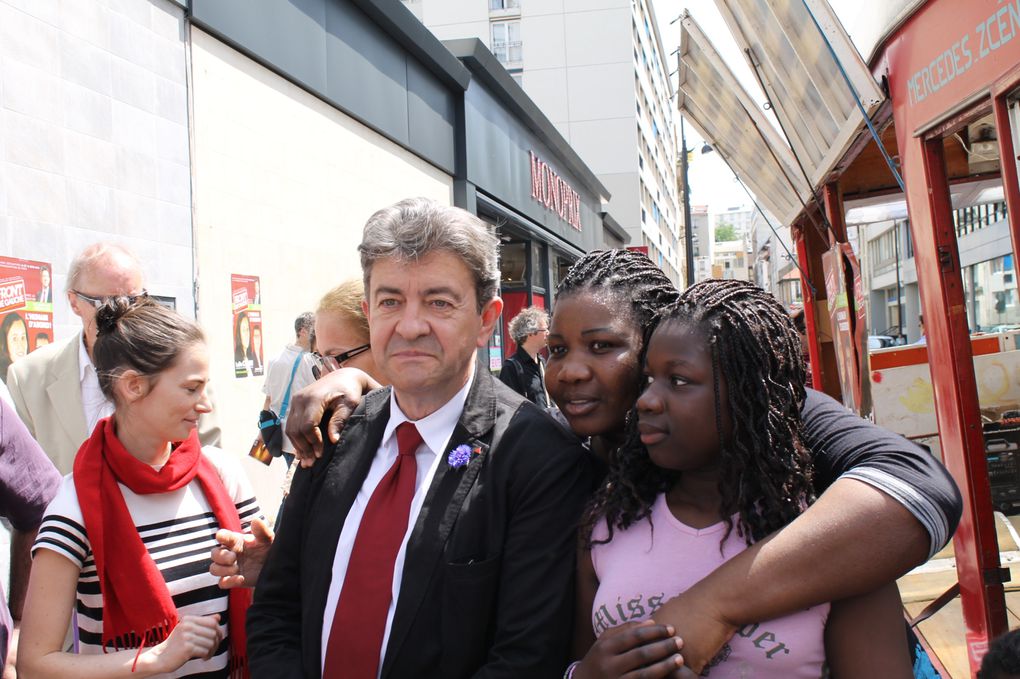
(552, 191)
(246, 304)
(26, 309)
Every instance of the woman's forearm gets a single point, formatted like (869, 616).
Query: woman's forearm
(60, 665)
(853, 540)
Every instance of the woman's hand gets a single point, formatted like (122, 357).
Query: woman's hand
(642, 650)
(696, 620)
(337, 394)
(196, 636)
(239, 558)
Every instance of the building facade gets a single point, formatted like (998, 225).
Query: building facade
(701, 242)
(222, 143)
(731, 259)
(740, 218)
(598, 70)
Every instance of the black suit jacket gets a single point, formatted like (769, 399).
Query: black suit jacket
(487, 588)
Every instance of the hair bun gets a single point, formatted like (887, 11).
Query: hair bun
(110, 313)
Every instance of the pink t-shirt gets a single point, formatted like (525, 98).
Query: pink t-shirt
(641, 568)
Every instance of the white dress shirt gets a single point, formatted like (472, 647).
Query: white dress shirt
(93, 401)
(436, 430)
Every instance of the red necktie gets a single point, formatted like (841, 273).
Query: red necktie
(355, 640)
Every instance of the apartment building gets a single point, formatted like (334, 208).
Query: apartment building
(599, 71)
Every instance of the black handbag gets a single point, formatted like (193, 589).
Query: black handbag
(271, 424)
(271, 429)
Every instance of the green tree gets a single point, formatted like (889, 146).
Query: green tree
(724, 232)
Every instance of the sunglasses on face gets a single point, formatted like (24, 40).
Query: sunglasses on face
(328, 364)
(100, 301)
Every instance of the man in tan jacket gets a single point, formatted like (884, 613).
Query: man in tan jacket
(55, 389)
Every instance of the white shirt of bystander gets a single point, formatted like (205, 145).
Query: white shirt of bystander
(93, 401)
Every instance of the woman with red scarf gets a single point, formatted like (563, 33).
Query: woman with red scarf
(126, 541)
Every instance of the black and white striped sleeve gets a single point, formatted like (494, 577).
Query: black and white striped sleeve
(62, 529)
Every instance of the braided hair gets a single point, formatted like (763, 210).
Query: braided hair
(766, 470)
(628, 276)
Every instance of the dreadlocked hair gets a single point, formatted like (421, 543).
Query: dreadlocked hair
(766, 471)
(624, 273)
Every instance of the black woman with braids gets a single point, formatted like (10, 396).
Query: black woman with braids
(884, 505)
(713, 461)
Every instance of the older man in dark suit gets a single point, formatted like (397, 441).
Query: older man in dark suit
(436, 539)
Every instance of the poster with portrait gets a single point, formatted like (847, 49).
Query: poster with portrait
(246, 303)
(26, 309)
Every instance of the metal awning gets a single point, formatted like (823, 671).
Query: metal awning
(727, 117)
(804, 58)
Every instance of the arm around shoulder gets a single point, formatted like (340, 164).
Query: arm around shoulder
(845, 445)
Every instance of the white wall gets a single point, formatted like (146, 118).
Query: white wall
(94, 138)
(453, 19)
(283, 186)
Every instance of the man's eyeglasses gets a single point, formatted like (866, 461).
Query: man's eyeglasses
(328, 364)
(100, 301)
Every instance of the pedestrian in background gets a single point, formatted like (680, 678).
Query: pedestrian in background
(56, 388)
(291, 371)
(524, 372)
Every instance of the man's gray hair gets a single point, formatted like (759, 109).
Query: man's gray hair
(94, 254)
(414, 227)
(526, 323)
(305, 321)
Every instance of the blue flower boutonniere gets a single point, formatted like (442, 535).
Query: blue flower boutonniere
(461, 455)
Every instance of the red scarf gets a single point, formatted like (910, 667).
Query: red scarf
(137, 607)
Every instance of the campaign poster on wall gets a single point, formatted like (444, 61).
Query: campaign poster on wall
(246, 302)
(26, 309)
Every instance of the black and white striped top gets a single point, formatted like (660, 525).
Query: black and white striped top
(178, 528)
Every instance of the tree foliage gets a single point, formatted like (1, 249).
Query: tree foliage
(724, 232)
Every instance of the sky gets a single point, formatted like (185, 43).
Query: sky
(711, 181)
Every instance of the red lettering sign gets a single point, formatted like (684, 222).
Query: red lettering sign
(553, 192)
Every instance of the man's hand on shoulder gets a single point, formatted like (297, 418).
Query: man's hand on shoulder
(337, 394)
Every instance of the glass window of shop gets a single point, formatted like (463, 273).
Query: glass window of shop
(892, 310)
(561, 265)
(524, 275)
(526, 279)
